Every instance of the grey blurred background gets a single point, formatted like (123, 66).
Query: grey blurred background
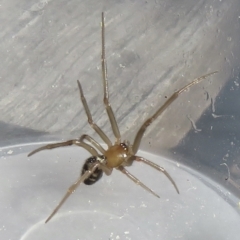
(152, 47)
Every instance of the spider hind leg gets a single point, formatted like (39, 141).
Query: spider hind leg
(159, 168)
(74, 186)
(136, 180)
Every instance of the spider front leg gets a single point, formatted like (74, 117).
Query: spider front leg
(159, 168)
(97, 129)
(150, 120)
(93, 142)
(108, 107)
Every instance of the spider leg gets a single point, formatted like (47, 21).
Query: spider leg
(90, 120)
(73, 188)
(159, 168)
(93, 142)
(137, 181)
(174, 96)
(90, 149)
(108, 107)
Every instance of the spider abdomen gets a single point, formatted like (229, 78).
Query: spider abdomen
(96, 175)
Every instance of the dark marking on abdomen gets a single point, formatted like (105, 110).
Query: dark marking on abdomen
(95, 176)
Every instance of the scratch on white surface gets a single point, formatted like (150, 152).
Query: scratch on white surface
(216, 116)
(214, 109)
(228, 177)
(213, 105)
(10, 152)
(192, 187)
(194, 125)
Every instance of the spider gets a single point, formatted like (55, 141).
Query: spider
(119, 154)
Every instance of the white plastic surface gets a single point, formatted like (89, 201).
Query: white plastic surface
(113, 208)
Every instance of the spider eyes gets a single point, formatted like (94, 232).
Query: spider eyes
(124, 146)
